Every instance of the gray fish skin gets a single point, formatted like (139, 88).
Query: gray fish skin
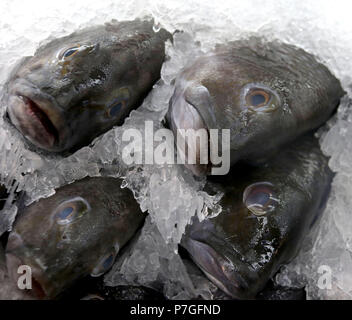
(223, 90)
(76, 87)
(240, 251)
(63, 245)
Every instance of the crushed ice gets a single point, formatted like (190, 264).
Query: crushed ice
(169, 193)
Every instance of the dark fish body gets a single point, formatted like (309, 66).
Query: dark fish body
(74, 233)
(79, 86)
(266, 93)
(266, 213)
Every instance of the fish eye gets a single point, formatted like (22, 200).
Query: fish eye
(65, 213)
(108, 262)
(104, 264)
(71, 210)
(259, 198)
(120, 101)
(70, 52)
(258, 97)
(115, 109)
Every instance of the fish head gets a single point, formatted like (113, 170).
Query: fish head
(75, 88)
(221, 91)
(259, 228)
(75, 233)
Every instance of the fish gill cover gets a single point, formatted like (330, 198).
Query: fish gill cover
(170, 195)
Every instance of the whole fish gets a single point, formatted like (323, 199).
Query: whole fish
(79, 86)
(74, 233)
(265, 93)
(266, 213)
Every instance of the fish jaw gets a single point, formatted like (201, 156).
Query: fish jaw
(36, 116)
(183, 115)
(218, 268)
(30, 120)
(13, 262)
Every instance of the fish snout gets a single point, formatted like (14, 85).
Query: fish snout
(191, 134)
(19, 271)
(218, 268)
(15, 271)
(37, 117)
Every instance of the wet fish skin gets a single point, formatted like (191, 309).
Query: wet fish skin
(62, 245)
(76, 87)
(240, 251)
(266, 93)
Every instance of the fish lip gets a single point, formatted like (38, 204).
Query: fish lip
(14, 261)
(36, 115)
(230, 281)
(197, 169)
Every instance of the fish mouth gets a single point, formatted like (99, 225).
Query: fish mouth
(14, 262)
(184, 116)
(218, 268)
(33, 120)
